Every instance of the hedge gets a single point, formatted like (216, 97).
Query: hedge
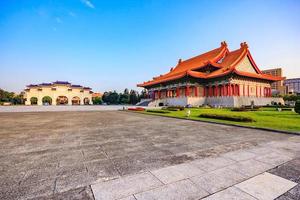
(297, 107)
(228, 117)
(158, 111)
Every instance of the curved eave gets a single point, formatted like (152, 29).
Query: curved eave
(259, 76)
(162, 80)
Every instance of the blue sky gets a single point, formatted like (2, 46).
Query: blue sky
(115, 44)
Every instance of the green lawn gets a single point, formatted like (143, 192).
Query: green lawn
(264, 118)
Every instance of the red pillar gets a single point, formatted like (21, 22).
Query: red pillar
(187, 91)
(177, 92)
(210, 91)
(159, 94)
(229, 90)
(196, 91)
(248, 90)
(256, 91)
(204, 91)
(238, 90)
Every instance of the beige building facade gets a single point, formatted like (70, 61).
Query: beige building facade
(277, 86)
(57, 93)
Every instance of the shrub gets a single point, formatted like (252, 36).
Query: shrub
(246, 108)
(158, 111)
(173, 108)
(239, 109)
(297, 107)
(228, 117)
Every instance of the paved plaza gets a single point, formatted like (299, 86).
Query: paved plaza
(123, 155)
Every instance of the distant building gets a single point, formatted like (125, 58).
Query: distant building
(97, 94)
(292, 85)
(219, 77)
(57, 93)
(277, 87)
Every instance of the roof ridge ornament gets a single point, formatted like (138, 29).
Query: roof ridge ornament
(223, 44)
(179, 61)
(244, 45)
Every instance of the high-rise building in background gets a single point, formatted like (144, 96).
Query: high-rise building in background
(277, 87)
(292, 85)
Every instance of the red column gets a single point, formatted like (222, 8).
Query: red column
(210, 91)
(244, 90)
(248, 90)
(256, 91)
(196, 91)
(204, 91)
(177, 92)
(187, 91)
(229, 90)
(159, 94)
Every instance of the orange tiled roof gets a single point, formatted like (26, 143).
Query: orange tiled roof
(220, 58)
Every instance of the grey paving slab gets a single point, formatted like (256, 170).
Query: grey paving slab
(81, 148)
(210, 164)
(266, 186)
(231, 193)
(184, 190)
(274, 158)
(123, 187)
(131, 197)
(176, 173)
(217, 180)
(250, 167)
(239, 155)
(261, 150)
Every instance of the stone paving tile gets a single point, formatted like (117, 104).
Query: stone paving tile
(261, 150)
(293, 194)
(250, 167)
(239, 155)
(210, 164)
(82, 193)
(176, 173)
(184, 189)
(266, 186)
(231, 193)
(131, 197)
(125, 186)
(274, 158)
(217, 180)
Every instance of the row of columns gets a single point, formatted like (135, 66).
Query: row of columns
(213, 91)
(236, 90)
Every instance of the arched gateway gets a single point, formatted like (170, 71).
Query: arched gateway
(57, 93)
(75, 101)
(47, 100)
(62, 100)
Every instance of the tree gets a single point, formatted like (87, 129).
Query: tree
(143, 94)
(113, 98)
(97, 101)
(33, 100)
(47, 99)
(133, 97)
(105, 97)
(297, 107)
(124, 98)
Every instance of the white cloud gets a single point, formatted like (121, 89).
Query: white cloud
(58, 20)
(72, 14)
(88, 3)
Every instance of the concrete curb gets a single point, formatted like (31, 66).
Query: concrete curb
(220, 123)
